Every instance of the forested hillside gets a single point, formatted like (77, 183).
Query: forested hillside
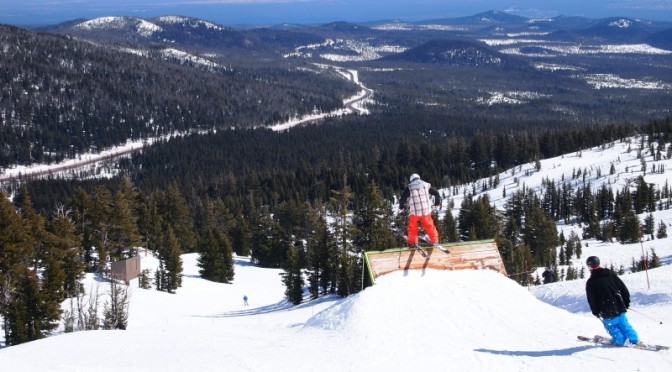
(62, 97)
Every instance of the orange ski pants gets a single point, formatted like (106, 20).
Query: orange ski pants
(427, 224)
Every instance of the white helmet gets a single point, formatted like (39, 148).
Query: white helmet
(414, 177)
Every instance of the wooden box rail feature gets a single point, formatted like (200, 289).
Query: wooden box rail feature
(482, 254)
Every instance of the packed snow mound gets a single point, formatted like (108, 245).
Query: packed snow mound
(467, 304)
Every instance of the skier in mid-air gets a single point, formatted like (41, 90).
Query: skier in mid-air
(417, 196)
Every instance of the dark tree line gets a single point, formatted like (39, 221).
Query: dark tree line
(307, 163)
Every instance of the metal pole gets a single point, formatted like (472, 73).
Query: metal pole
(645, 263)
(363, 269)
(639, 312)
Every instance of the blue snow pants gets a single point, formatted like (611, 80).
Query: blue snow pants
(620, 329)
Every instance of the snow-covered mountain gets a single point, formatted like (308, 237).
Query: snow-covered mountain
(423, 320)
(175, 30)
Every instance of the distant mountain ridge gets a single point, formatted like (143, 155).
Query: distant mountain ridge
(177, 30)
(489, 18)
(451, 52)
(195, 32)
(620, 29)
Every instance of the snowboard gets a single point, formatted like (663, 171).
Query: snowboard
(602, 340)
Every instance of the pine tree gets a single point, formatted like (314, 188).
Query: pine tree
(100, 220)
(540, 235)
(323, 260)
(342, 226)
(175, 212)
(211, 267)
(465, 219)
(648, 227)
(216, 257)
(214, 246)
(349, 275)
(573, 247)
(448, 227)
(342, 230)
(65, 245)
(263, 237)
(562, 257)
(521, 265)
(22, 307)
(80, 212)
(292, 277)
(662, 230)
(372, 219)
(654, 261)
(630, 230)
(115, 312)
(21, 302)
(151, 223)
(123, 233)
(240, 237)
(170, 262)
(485, 218)
(507, 251)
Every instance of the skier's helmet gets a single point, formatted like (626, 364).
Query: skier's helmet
(593, 262)
(414, 177)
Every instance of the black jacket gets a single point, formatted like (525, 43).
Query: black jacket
(607, 295)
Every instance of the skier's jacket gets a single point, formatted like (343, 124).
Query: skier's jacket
(417, 194)
(607, 295)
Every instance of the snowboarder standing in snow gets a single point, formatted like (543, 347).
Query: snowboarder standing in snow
(609, 298)
(549, 276)
(417, 196)
(245, 300)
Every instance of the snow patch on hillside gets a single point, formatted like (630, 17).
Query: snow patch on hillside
(141, 26)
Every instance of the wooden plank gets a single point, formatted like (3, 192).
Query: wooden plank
(466, 255)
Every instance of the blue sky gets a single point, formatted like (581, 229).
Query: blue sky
(232, 12)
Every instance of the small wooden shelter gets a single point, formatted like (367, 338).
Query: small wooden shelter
(481, 254)
(125, 270)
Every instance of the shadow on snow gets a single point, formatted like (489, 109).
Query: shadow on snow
(539, 353)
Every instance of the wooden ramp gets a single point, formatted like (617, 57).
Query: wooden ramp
(481, 254)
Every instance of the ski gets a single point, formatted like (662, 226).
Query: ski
(421, 239)
(404, 237)
(602, 340)
(424, 240)
(421, 251)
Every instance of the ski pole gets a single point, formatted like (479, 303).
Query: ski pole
(639, 312)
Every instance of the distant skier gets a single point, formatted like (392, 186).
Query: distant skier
(417, 195)
(549, 276)
(609, 298)
(245, 300)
